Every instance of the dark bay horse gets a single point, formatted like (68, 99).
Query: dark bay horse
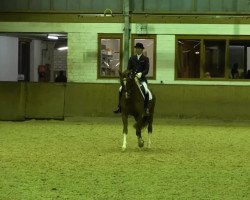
(132, 103)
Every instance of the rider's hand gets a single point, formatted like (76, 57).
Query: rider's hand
(138, 75)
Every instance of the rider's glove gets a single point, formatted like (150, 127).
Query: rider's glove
(138, 75)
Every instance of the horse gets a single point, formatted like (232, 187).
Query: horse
(132, 103)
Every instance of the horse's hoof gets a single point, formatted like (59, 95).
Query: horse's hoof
(141, 143)
(123, 148)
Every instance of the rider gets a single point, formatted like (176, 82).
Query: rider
(139, 64)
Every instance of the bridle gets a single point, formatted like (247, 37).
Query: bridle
(127, 83)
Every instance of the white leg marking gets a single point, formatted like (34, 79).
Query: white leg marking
(124, 145)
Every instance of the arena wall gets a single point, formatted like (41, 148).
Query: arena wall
(12, 101)
(44, 100)
(21, 101)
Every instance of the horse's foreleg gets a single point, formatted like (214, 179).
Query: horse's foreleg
(138, 132)
(140, 141)
(124, 144)
(125, 131)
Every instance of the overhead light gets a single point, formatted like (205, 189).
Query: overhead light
(108, 13)
(62, 48)
(53, 37)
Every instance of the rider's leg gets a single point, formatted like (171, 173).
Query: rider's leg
(118, 109)
(146, 98)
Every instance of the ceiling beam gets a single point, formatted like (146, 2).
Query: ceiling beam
(119, 18)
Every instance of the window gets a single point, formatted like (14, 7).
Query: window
(109, 56)
(188, 63)
(239, 59)
(213, 57)
(149, 43)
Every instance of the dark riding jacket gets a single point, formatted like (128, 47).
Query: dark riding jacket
(141, 65)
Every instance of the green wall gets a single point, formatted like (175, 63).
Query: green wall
(202, 101)
(90, 99)
(45, 100)
(12, 101)
(57, 101)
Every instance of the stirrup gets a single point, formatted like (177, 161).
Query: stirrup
(118, 110)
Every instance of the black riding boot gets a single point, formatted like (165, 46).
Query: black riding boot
(118, 109)
(146, 111)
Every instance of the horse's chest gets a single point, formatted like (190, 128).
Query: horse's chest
(134, 108)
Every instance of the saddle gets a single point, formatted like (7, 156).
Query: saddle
(143, 92)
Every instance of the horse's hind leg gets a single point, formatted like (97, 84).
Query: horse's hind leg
(150, 130)
(125, 131)
(150, 121)
(138, 132)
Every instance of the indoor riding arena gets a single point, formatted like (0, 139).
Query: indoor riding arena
(60, 77)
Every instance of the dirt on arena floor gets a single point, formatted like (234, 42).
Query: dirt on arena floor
(82, 159)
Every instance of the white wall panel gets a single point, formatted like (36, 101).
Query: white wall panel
(8, 58)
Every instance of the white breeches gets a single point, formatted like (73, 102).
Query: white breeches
(145, 87)
(147, 91)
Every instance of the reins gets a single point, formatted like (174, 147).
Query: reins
(137, 82)
(139, 86)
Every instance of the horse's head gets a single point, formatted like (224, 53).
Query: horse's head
(127, 79)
